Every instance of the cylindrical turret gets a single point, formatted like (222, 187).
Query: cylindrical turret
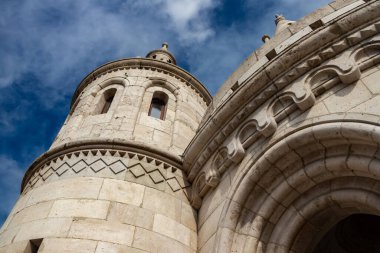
(112, 180)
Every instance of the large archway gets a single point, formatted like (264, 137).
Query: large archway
(358, 233)
(289, 197)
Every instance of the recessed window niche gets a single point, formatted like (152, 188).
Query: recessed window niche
(158, 105)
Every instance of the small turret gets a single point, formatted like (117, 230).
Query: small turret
(162, 54)
(282, 23)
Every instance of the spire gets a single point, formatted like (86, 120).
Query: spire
(282, 23)
(162, 54)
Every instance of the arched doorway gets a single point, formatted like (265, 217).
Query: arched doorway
(358, 233)
(291, 196)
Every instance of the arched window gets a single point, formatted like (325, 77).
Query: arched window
(107, 99)
(158, 105)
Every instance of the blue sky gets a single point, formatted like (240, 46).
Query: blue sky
(48, 46)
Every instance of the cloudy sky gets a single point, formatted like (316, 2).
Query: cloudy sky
(48, 46)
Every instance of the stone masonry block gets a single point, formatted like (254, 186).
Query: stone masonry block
(168, 227)
(80, 208)
(34, 212)
(189, 217)
(106, 247)
(51, 227)
(347, 98)
(372, 82)
(122, 191)
(103, 231)
(65, 245)
(84, 187)
(154, 242)
(16, 247)
(162, 203)
(131, 215)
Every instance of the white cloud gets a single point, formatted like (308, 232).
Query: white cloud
(60, 41)
(189, 18)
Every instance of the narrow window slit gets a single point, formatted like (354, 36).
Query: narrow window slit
(108, 97)
(158, 105)
(34, 246)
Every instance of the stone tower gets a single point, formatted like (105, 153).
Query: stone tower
(286, 158)
(112, 180)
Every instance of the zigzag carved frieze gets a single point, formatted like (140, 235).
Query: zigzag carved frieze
(111, 164)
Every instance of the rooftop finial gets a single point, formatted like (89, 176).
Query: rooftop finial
(282, 23)
(162, 54)
(265, 38)
(279, 17)
(165, 46)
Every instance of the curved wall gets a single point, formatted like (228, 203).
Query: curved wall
(112, 180)
(128, 119)
(299, 152)
(289, 146)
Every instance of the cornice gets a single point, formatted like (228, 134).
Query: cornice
(114, 144)
(277, 70)
(144, 63)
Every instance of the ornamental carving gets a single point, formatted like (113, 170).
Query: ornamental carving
(112, 164)
(301, 94)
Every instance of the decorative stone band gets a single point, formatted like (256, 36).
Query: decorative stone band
(296, 97)
(148, 64)
(107, 160)
(296, 74)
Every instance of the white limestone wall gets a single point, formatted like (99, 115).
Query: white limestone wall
(128, 117)
(358, 101)
(107, 190)
(103, 203)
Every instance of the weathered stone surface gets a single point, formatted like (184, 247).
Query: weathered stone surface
(50, 227)
(31, 213)
(105, 247)
(102, 230)
(153, 200)
(121, 191)
(289, 147)
(129, 214)
(80, 208)
(87, 188)
(172, 229)
(51, 245)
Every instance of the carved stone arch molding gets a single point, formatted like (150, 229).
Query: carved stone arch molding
(287, 197)
(367, 54)
(164, 83)
(122, 81)
(98, 91)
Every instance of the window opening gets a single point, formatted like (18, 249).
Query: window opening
(158, 105)
(34, 246)
(108, 97)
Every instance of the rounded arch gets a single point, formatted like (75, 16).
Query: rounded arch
(278, 197)
(166, 85)
(107, 98)
(95, 89)
(365, 52)
(111, 81)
